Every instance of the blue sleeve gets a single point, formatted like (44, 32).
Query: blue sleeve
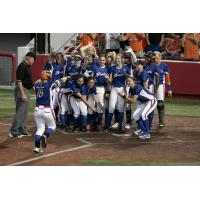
(73, 88)
(157, 70)
(61, 71)
(83, 90)
(145, 77)
(110, 70)
(94, 91)
(128, 70)
(167, 69)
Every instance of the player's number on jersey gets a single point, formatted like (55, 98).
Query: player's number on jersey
(40, 93)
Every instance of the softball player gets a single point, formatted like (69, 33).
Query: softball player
(101, 83)
(153, 75)
(91, 92)
(44, 114)
(89, 66)
(75, 69)
(57, 73)
(79, 102)
(163, 70)
(118, 76)
(64, 105)
(147, 104)
(64, 95)
(129, 61)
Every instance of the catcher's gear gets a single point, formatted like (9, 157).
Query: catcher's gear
(45, 75)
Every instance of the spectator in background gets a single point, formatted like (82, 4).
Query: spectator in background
(87, 38)
(112, 42)
(154, 42)
(124, 44)
(173, 47)
(191, 46)
(135, 42)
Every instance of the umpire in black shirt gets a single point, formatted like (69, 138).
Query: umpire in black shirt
(22, 96)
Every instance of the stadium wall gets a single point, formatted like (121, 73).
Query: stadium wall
(184, 77)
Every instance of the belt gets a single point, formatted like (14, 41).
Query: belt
(42, 107)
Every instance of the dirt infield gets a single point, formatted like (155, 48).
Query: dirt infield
(177, 143)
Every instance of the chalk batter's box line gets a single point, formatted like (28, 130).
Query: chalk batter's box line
(176, 141)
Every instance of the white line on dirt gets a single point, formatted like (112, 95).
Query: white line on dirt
(87, 144)
(68, 133)
(145, 142)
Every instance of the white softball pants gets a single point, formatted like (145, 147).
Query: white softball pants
(44, 116)
(100, 96)
(144, 109)
(116, 101)
(78, 107)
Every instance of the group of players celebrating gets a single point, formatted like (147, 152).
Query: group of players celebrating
(82, 91)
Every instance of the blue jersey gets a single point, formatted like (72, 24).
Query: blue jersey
(151, 70)
(77, 89)
(99, 74)
(90, 91)
(57, 71)
(129, 68)
(73, 70)
(68, 65)
(43, 93)
(90, 69)
(163, 69)
(141, 77)
(143, 94)
(118, 75)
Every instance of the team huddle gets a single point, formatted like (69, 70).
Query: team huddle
(86, 92)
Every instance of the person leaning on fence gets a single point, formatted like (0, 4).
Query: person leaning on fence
(22, 96)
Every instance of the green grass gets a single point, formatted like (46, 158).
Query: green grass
(176, 106)
(7, 103)
(126, 163)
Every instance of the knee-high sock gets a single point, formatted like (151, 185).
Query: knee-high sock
(108, 120)
(90, 118)
(120, 119)
(146, 125)
(106, 113)
(116, 114)
(56, 112)
(69, 119)
(151, 115)
(99, 118)
(75, 122)
(83, 121)
(141, 125)
(37, 141)
(128, 116)
(48, 132)
(63, 119)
